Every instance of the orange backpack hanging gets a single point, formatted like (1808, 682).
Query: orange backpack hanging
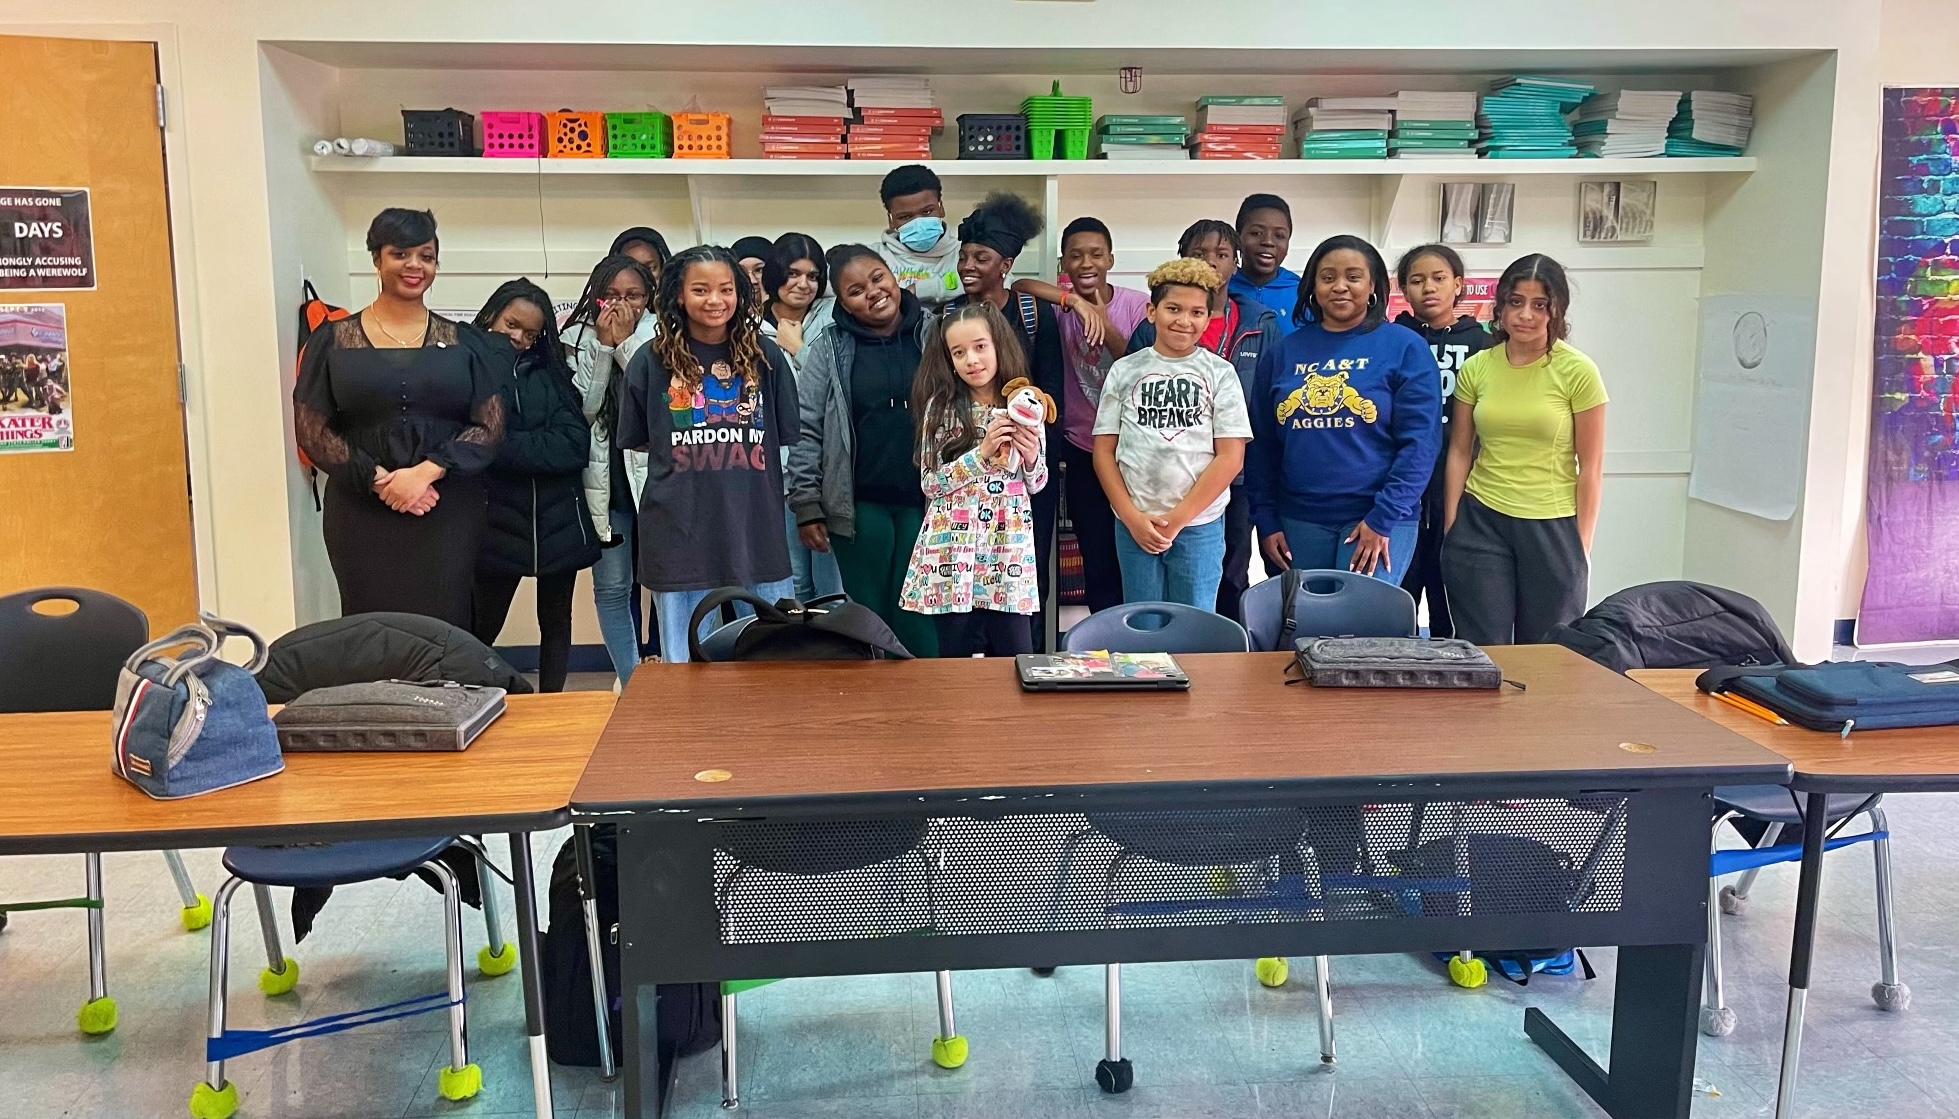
(313, 313)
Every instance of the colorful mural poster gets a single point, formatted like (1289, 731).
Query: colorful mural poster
(34, 383)
(1912, 590)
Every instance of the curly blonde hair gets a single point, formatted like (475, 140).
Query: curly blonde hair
(1183, 272)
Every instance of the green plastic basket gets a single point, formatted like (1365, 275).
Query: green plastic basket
(1056, 110)
(1073, 143)
(638, 136)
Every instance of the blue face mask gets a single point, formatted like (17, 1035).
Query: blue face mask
(920, 234)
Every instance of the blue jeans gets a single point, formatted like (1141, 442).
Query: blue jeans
(1321, 547)
(814, 573)
(614, 597)
(677, 607)
(1188, 573)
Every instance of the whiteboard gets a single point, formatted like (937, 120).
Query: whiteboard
(1751, 412)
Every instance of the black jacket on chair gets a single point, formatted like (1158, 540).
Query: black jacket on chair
(538, 524)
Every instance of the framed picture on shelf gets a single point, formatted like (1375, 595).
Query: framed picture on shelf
(1616, 212)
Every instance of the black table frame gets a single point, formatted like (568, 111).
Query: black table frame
(669, 924)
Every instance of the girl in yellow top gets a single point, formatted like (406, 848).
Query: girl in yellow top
(1526, 451)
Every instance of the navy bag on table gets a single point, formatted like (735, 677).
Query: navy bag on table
(1845, 695)
(188, 721)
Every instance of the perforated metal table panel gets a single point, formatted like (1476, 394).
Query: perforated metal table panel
(1576, 814)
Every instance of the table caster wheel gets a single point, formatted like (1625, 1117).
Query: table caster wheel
(949, 1052)
(1470, 973)
(207, 1102)
(459, 1083)
(1717, 1021)
(1115, 1077)
(1043, 972)
(1891, 996)
(1733, 904)
(1272, 971)
(492, 965)
(97, 1016)
(279, 982)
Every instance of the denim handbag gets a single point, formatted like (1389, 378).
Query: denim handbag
(188, 721)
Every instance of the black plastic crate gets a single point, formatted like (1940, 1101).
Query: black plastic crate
(439, 132)
(992, 136)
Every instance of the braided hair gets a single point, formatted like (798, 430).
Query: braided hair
(670, 324)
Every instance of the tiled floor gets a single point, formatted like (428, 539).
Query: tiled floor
(1206, 1039)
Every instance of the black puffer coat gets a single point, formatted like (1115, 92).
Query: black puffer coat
(538, 523)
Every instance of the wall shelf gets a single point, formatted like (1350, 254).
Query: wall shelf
(1042, 168)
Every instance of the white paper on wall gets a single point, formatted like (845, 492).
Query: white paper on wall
(1751, 413)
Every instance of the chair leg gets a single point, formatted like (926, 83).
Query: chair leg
(196, 912)
(1324, 989)
(1734, 899)
(281, 972)
(1113, 1073)
(588, 902)
(460, 1080)
(1888, 993)
(98, 1014)
(213, 1097)
(949, 1050)
(498, 956)
(730, 1047)
(1717, 1018)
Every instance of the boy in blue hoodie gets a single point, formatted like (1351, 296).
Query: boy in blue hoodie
(1346, 422)
(1264, 238)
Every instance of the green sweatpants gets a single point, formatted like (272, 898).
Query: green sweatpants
(873, 565)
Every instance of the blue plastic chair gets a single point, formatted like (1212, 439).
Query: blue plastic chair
(1776, 806)
(72, 662)
(1157, 627)
(1187, 839)
(1328, 603)
(328, 865)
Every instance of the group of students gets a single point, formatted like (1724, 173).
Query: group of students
(801, 422)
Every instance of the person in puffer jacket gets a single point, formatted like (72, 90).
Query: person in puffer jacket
(605, 329)
(538, 523)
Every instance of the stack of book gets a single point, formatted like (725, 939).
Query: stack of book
(804, 122)
(1711, 123)
(896, 118)
(1344, 127)
(1241, 127)
(1433, 125)
(1142, 137)
(1628, 124)
(1523, 117)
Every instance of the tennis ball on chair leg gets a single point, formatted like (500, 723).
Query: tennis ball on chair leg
(491, 964)
(459, 1083)
(1472, 972)
(949, 1052)
(97, 1016)
(1272, 971)
(279, 982)
(207, 1102)
(196, 916)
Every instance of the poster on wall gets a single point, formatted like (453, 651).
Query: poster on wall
(1911, 589)
(1478, 299)
(34, 383)
(46, 241)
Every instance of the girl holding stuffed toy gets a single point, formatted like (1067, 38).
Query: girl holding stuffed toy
(982, 455)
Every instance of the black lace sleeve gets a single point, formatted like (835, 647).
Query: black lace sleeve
(314, 413)
(474, 447)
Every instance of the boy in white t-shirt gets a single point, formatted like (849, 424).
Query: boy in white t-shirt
(1170, 435)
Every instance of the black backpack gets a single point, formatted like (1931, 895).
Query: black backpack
(831, 628)
(1676, 624)
(690, 1013)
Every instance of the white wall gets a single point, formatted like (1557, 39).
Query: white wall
(238, 144)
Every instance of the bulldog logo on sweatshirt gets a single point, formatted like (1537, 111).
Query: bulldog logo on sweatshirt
(1324, 397)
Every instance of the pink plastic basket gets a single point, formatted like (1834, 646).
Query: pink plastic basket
(513, 135)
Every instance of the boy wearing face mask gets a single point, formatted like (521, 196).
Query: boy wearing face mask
(922, 252)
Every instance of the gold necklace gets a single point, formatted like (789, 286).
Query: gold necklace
(419, 335)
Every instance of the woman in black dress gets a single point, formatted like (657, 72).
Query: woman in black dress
(400, 409)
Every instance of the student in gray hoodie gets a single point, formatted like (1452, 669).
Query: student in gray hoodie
(922, 253)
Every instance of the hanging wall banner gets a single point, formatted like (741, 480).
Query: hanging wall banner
(1911, 591)
(34, 381)
(46, 241)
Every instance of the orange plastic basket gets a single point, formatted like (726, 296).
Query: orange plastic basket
(570, 135)
(702, 136)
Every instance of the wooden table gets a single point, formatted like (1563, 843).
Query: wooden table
(1868, 762)
(57, 795)
(788, 758)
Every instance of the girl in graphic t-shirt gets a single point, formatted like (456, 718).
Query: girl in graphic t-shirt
(972, 569)
(711, 402)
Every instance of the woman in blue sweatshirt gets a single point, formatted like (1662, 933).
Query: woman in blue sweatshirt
(1346, 422)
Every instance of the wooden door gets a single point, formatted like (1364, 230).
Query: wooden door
(112, 512)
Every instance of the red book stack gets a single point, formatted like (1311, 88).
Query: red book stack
(895, 119)
(1240, 128)
(804, 122)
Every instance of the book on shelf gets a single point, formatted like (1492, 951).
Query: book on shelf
(1386, 104)
(1146, 152)
(1316, 119)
